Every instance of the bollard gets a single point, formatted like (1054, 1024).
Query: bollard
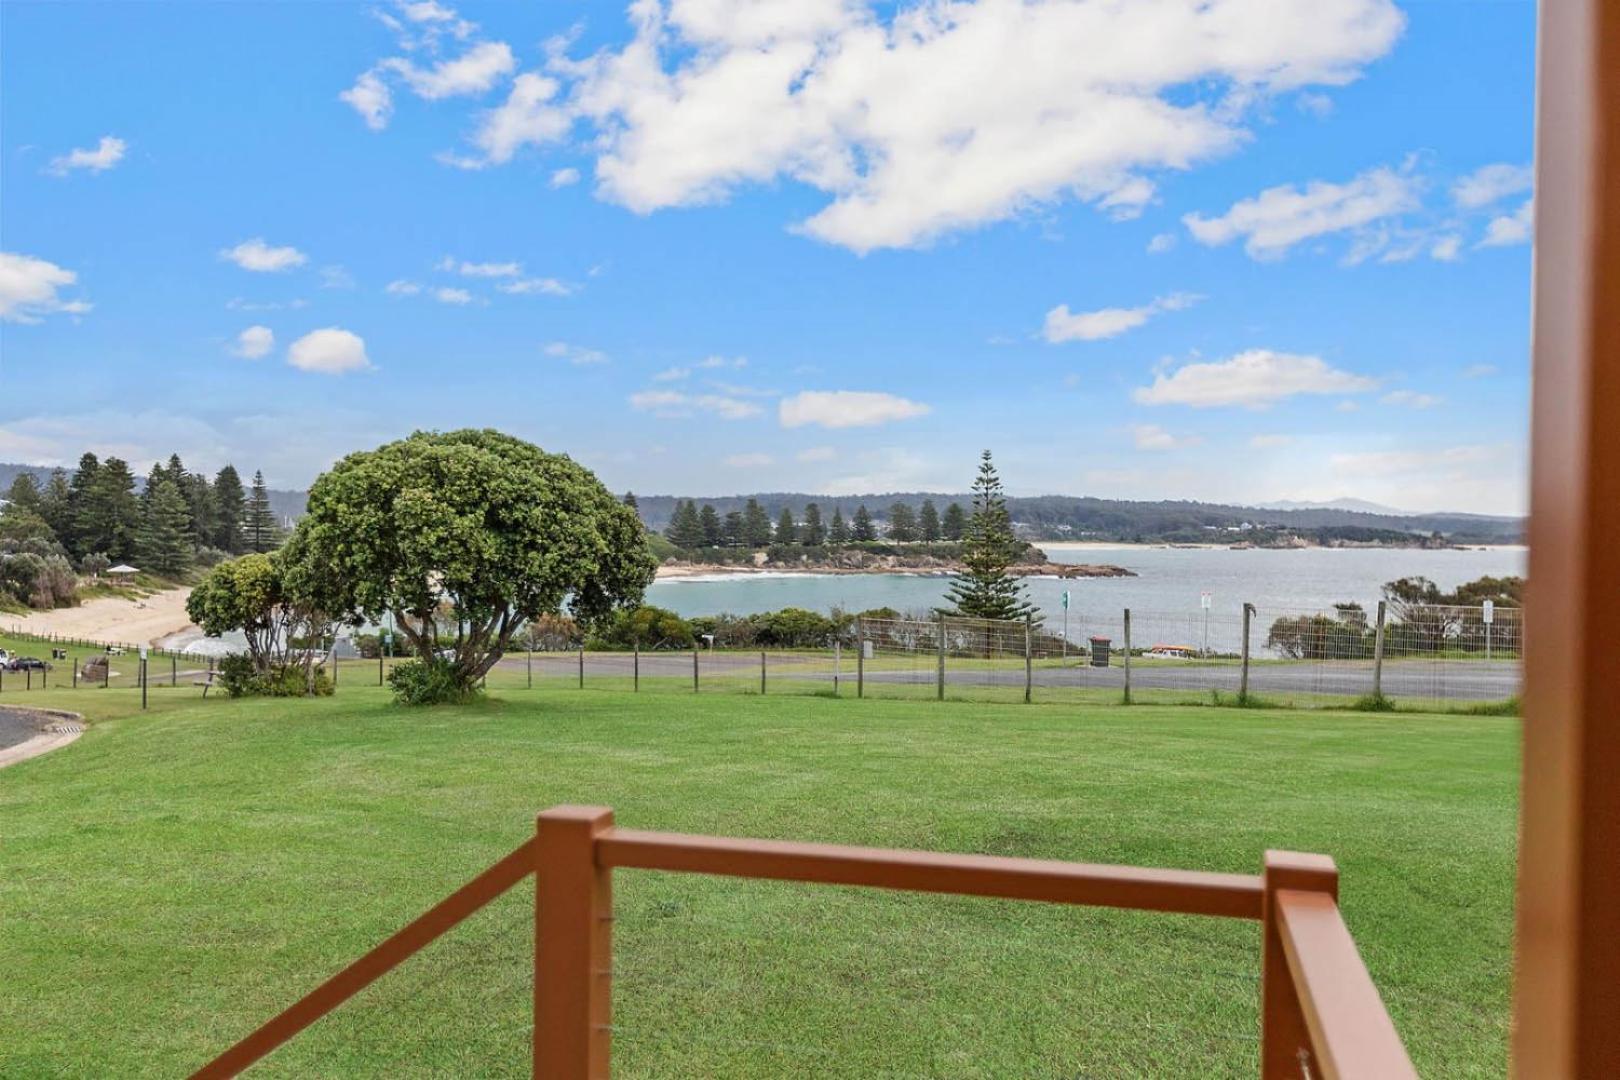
(939, 676)
(1127, 656)
(1378, 653)
(1243, 679)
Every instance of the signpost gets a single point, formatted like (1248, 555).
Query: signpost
(143, 676)
(1490, 617)
(1065, 625)
(1205, 599)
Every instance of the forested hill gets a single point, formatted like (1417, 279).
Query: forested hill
(1069, 517)
(286, 505)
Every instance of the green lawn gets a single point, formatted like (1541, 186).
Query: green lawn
(176, 877)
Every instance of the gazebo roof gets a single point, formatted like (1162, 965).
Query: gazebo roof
(122, 568)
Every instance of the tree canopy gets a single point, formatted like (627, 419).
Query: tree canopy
(985, 590)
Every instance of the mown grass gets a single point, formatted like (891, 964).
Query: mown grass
(176, 877)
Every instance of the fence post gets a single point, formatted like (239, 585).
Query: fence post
(1285, 1039)
(573, 945)
(1243, 679)
(143, 682)
(379, 667)
(1378, 652)
(694, 668)
(174, 671)
(939, 679)
(582, 667)
(762, 673)
(635, 667)
(1127, 656)
(74, 664)
(1029, 662)
(528, 668)
(860, 658)
(838, 656)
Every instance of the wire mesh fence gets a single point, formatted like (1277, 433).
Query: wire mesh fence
(1411, 655)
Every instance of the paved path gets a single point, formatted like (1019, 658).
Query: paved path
(28, 733)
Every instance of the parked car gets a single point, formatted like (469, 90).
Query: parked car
(27, 663)
(5, 658)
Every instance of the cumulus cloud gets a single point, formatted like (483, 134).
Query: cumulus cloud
(260, 257)
(678, 404)
(1253, 379)
(564, 177)
(473, 72)
(481, 269)
(454, 297)
(548, 286)
(672, 374)
(846, 409)
(1279, 217)
(713, 362)
(423, 29)
(1154, 437)
(578, 355)
(1491, 183)
(401, 287)
(1410, 399)
(29, 289)
(530, 116)
(1161, 243)
(1064, 325)
(330, 351)
(254, 343)
(1514, 228)
(107, 153)
(1447, 248)
(371, 98)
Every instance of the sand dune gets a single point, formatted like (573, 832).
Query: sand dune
(131, 622)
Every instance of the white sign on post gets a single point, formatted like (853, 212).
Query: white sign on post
(143, 652)
(1204, 599)
(1490, 612)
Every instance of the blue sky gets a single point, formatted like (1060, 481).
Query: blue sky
(1237, 251)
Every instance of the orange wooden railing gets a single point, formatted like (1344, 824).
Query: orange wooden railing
(1320, 1013)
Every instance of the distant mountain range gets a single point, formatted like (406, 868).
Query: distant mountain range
(1070, 517)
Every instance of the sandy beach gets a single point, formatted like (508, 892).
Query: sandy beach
(130, 622)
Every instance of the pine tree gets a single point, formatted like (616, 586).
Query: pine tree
(685, 531)
(229, 506)
(713, 531)
(108, 513)
(838, 532)
(955, 526)
(812, 533)
(928, 522)
(24, 494)
(902, 523)
(786, 531)
(756, 525)
(204, 517)
(985, 590)
(79, 488)
(630, 500)
(259, 523)
(163, 541)
(734, 530)
(862, 529)
(56, 507)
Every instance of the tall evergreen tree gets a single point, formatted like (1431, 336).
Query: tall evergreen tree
(108, 513)
(838, 532)
(685, 530)
(928, 522)
(24, 494)
(204, 519)
(630, 500)
(955, 524)
(163, 541)
(713, 530)
(734, 530)
(811, 532)
(786, 531)
(756, 525)
(985, 590)
(259, 527)
(84, 478)
(902, 523)
(861, 528)
(230, 504)
(56, 507)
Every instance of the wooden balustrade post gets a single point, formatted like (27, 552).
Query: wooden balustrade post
(860, 658)
(573, 945)
(694, 668)
(1127, 656)
(1243, 678)
(939, 678)
(1285, 1039)
(762, 673)
(582, 667)
(1378, 652)
(1029, 661)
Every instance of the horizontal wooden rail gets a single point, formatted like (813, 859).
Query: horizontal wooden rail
(1351, 1033)
(416, 935)
(1188, 892)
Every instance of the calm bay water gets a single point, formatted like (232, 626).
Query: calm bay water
(1169, 581)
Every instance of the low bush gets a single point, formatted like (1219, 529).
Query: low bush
(1373, 703)
(241, 679)
(428, 682)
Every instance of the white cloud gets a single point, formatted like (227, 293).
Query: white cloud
(816, 453)
(672, 374)
(938, 117)
(1347, 406)
(1409, 399)
(549, 286)
(1254, 379)
(401, 287)
(1490, 183)
(1393, 462)
(473, 72)
(456, 297)
(1154, 437)
(336, 277)
(482, 270)
(578, 355)
(1317, 105)
(1282, 216)
(749, 461)
(564, 177)
(846, 409)
(712, 362)
(371, 98)
(528, 117)
(1161, 243)
(260, 257)
(1063, 325)
(1479, 371)
(29, 289)
(677, 404)
(330, 351)
(254, 343)
(237, 303)
(107, 153)
(1512, 228)
(1269, 442)
(1446, 248)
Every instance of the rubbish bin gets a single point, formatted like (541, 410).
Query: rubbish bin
(1100, 649)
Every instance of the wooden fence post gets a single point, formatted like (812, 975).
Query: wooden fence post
(939, 678)
(1127, 656)
(1243, 679)
(573, 946)
(1029, 662)
(694, 668)
(838, 656)
(582, 667)
(174, 670)
(528, 668)
(635, 667)
(379, 667)
(1285, 1039)
(1378, 653)
(860, 658)
(762, 673)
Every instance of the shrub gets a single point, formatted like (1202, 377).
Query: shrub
(369, 645)
(94, 563)
(654, 627)
(240, 679)
(429, 682)
(1373, 703)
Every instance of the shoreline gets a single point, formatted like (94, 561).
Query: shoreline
(144, 621)
(720, 571)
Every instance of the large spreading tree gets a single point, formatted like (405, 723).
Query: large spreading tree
(985, 590)
(462, 536)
